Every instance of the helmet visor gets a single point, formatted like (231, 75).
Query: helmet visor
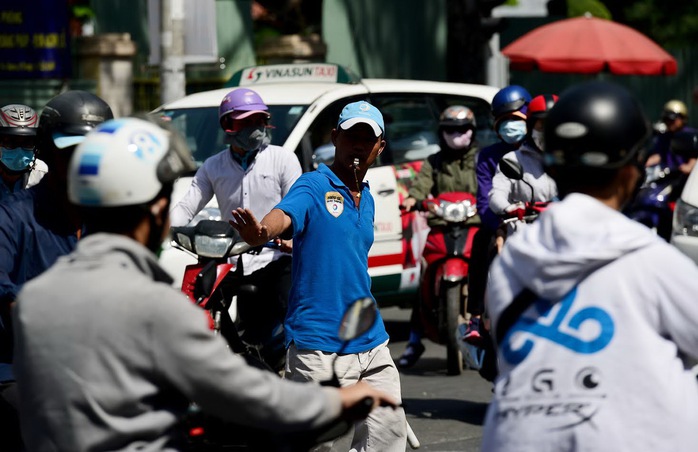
(62, 140)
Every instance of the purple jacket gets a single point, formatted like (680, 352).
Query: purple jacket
(487, 161)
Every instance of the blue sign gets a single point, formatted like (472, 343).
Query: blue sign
(34, 39)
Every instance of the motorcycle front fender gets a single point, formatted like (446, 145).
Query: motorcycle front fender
(454, 270)
(201, 280)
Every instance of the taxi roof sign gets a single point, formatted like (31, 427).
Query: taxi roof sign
(296, 72)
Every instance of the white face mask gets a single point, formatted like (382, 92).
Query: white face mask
(458, 140)
(537, 137)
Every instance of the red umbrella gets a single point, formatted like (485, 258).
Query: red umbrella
(588, 45)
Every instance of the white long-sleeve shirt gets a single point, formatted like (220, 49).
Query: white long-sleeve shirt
(506, 191)
(259, 188)
(592, 364)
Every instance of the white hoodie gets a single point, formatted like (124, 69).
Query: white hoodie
(595, 367)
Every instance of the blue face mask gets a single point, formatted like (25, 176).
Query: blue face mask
(512, 130)
(17, 159)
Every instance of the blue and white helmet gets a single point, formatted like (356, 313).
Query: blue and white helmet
(126, 162)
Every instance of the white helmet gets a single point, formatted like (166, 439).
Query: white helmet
(125, 162)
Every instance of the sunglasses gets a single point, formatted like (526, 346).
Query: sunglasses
(672, 116)
(456, 129)
(14, 142)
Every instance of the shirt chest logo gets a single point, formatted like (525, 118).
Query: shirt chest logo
(334, 203)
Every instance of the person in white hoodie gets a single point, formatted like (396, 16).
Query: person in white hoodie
(590, 310)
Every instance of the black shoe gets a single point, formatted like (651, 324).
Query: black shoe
(411, 355)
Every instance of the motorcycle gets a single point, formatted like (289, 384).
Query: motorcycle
(213, 242)
(444, 284)
(654, 203)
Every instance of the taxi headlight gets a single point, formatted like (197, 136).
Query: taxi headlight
(685, 219)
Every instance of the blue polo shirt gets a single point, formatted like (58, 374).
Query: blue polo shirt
(331, 239)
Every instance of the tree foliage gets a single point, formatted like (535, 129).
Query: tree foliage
(594, 7)
(670, 24)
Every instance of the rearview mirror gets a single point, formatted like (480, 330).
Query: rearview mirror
(511, 169)
(358, 319)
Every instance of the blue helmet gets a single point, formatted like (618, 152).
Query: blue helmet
(509, 99)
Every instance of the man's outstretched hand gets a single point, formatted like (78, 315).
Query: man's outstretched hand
(251, 230)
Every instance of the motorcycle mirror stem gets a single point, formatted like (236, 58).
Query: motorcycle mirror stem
(357, 319)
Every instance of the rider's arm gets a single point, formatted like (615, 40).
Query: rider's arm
(484, 171)
(423, 182)
(190, 357)
(499, 196)
(199, 194)
(198, 363)
(687, 167)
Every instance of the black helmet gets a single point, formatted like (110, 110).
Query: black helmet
(595, 125)
(67, 118)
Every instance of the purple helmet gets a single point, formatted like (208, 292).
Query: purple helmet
(241, 103)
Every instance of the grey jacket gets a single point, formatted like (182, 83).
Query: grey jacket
(108, 357)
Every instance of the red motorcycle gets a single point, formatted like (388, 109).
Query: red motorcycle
(444, 282)
(213, 242)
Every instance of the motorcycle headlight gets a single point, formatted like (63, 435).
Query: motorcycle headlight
(685, 219)
(456, 212)
(212, 246)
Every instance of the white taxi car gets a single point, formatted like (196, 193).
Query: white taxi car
(685, 228)
(305, 101)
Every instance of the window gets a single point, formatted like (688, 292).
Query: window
(205, 137)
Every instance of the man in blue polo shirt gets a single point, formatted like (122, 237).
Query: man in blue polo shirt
(329, 213)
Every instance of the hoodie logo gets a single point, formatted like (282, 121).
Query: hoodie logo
(586, 331)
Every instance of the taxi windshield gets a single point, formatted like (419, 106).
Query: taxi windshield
(204, 135)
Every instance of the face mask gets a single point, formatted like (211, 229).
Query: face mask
(249, 138)
(17, 159)
(512, 130)
(458, 140)
(537, 137)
